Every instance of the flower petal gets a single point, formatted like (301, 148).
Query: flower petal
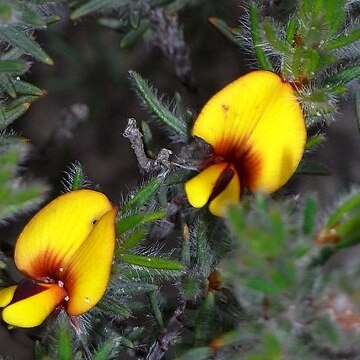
(88, 272)
(257, 124)
(6, 295)
(230, 195)
(57, 231)
(199, 188)
(33, 310)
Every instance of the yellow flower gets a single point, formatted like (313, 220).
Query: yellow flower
(65, 252)
(256, 128)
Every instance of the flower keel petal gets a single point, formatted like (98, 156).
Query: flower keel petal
(230, 195)
(88, 272)
(199, 188)
(33, 310)
(6, 295)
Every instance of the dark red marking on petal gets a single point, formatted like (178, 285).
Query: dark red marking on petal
(27, 288)
(222, 182)
(248, 166)
(246, 162)
(46, 266)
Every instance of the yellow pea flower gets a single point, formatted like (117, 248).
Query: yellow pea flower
(257, 131)
(65, 252)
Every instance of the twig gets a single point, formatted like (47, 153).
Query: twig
(163, 342)
(160, 163)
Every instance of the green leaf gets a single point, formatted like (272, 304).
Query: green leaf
(277, 232)
(291, 30)
(140, 288)
(185, 246)
(263, 285)
(235, 218)
(128, 222)
(305, 62)
(197, 353)
(7, 84)
(343, 40)
(155, 308)
(148, 274)
(273, 39)
(39, 350)
(22, 100)
(13, 66)
(5, 13)
(141, 197)
(104, 352)
(134, 239)
(12, 54)
(14, 200)
(92, 6)
(127, 343)
(114, 24)
(64, 344)
(75, 178)
(314, 141)
(52, 19)
(343, 76)
(25, 88)
(310, 63)
(147, 139)
(348, 205)
(321, 258)
(311, 168)
(30, 16)
(12, 114)
(155, 105)
(349, 231)
(134, 35)
(192, 287)
(150, 261)
(224, 29)
(272, 347)
(18, 38)
(255, 30)
(134, 15)
(202, 248)
(334, 13)
(113, 307)
(204, 318)
(297, 61)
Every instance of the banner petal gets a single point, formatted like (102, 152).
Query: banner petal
(257, 124)
(57, 231)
